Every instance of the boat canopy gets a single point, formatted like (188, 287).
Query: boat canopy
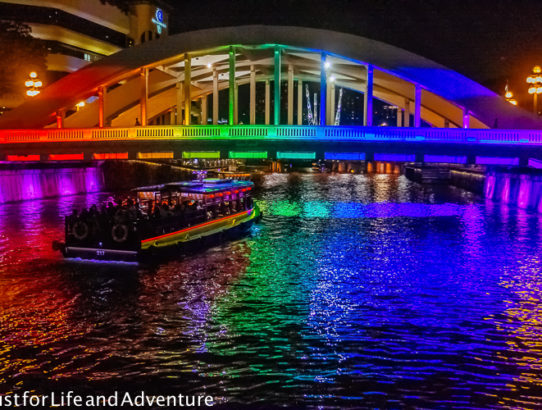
(207, 186)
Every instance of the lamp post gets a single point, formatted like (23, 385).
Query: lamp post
(535, 86)
(33, 84)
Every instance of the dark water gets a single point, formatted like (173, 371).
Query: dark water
(353, 291)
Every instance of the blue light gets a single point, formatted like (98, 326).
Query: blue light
(346, 156)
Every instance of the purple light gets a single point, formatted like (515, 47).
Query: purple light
(535, 163)
(497, 161)
(395, 157)
(445, 159)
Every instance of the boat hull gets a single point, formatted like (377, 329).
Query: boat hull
(184, 238)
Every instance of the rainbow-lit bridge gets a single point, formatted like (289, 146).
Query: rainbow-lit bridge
(269, 92)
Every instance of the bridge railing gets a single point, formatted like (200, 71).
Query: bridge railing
(283, 132)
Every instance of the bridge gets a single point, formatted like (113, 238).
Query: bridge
(184, 94)
(429, 145)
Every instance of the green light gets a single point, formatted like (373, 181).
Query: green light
(296, 155)
(201, 154)
(250, 154)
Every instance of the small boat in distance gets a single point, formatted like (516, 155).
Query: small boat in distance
(159, 216)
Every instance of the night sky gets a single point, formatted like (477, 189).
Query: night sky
(489, 41)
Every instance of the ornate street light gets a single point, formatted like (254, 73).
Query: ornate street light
(535, 86)
(33, 84)
(509, 96)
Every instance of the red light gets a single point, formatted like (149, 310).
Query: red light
(110, 155)
(236, 191)
(35, 157)
(66, 157)
(220, 194)
(228, 192)
(211, 196)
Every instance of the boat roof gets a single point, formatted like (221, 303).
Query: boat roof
(207, 186)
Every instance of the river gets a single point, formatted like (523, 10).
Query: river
(354, 290)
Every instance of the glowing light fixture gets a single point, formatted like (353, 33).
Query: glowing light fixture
(33, 84)
(33, 74)
(327, 65)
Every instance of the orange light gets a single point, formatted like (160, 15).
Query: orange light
(33, 74)
(532, 90)
(537, 69)
(513, 102)
(508, 94)
(110, 155)
(29, 83)
(38, 83)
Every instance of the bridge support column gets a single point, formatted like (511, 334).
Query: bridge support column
(101, 106)
(466, 118)
(417, 106)
(323, 89)
(299, 102)
(60, 114)
(252, 95)
(407, 113)
(331, 110)
(144, 95)
(204, 110)
(368, 98)
(267, 101)
(236, 104)
(215, 96)
(186, 89)
(179, 105)
(231, 90)
(277, 72)
(290, 94)
(399, 117)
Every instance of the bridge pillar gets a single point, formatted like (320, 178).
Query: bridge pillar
(231, 90)
(186, 89)
(406, 121)
(60, 115)
(299, 102)
(144, 95)
(204, 110)
(277, 72)
(215, 96)
(290, 94)
(399, 117)
(179, 105)
(331, 109)
(236, 104)
(267, 101)
(101, 106)
(417, 106)
(252, 95)
(368, 98)
(323, 89)
(466, 118)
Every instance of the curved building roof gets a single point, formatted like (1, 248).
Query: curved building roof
(438, 81)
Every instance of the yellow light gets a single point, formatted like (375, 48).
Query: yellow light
(513, 102)
(539, 90)
(209, 65)
(530, 80)
(508, 94)
(29, 83)
(532, 90)
(80, 104)
(32, 93)
(537, 69)
(38, 83)
(33, 74)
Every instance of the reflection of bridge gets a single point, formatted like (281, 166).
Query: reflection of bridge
(199, 77)
(431, 145)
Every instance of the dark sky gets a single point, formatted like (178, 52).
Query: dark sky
(487, 40)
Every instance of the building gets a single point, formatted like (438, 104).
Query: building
(79, 32)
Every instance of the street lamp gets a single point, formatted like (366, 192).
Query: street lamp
(33, 84)
(509, 96)
(535, 86)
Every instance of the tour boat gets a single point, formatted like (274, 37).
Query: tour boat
(159, 216)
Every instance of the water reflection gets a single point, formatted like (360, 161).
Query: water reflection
(354, 290)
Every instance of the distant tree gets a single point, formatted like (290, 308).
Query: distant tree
(20, 53)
